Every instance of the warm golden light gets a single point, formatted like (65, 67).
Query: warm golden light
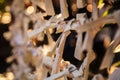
(113, 67)
(7, 76)
(30, 10)
(10, 76)
(51, 30)
(59, 16)
(107, 42)
(46, 49)
(29, 30)
(117, 49)
(89, 7)
(3, 78)
(6, 18)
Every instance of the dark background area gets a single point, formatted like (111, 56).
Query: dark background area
(5, 48)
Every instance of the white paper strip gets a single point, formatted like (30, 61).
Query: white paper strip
(64, 8)
(81, 3)
(49, 7)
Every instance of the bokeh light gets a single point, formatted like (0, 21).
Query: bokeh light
(6, 18)
(30, 10)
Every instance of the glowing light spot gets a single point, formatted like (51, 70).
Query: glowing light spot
(6, 18)
(30, 10)
(107, 42)
(59, 16)
(10, 76)
(50, 30)
(89, 7)
(29, 30)
(3, 78)
(46, 49)
(117, 49)
(112, 42)
(113, 67)
(61, 61)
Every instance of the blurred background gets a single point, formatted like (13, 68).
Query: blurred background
(6, 19)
